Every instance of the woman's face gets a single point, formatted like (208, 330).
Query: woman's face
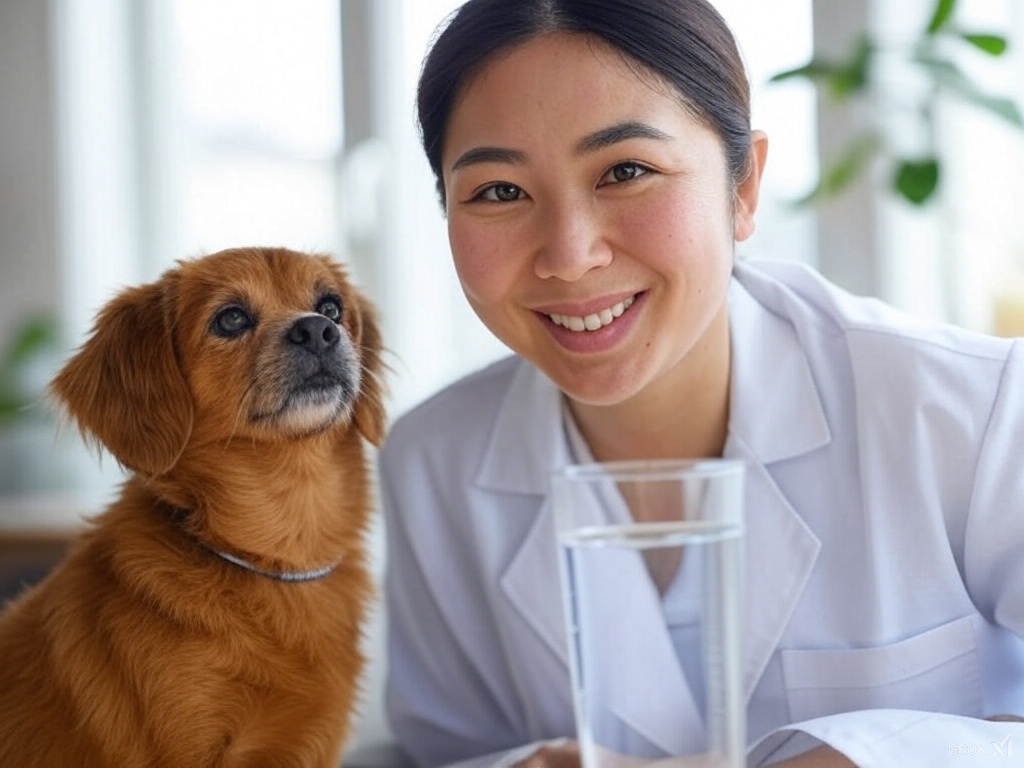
(592, 220)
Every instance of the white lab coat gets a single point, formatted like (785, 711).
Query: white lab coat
(884, 546)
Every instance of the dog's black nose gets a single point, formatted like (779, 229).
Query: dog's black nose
(314, 332)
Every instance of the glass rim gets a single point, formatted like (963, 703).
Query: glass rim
(651, 469)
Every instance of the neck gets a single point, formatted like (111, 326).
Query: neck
(293, 508)
(684, 414)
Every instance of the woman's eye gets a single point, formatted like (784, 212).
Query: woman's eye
(502, 192)
(624, 172)
(232, 321)
(330, 308)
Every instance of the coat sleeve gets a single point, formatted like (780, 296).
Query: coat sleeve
(883, 738)
(993, 570)
(994, 540)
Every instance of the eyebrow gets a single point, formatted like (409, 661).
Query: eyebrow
(619, 132)
(593, 142)
(489, 155)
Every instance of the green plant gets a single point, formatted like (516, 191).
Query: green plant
(933, 54)
(33, 337)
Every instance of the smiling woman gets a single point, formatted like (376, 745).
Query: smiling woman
(595, 192)
(781, 232)
(536, 213)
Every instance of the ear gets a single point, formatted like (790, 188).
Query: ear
(749, 189)
(124, 387)
(370, 416)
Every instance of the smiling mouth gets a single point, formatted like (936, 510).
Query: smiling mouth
(595, 321)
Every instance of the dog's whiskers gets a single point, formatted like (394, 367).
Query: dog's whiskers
(240, 415)
(372, 392)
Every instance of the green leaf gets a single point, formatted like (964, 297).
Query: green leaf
(1000, 106)
(852, 76)
(917, 180)
(36, 333)
(940, 69)
(946, 74)
(994, 45)
(839, 79)
(815, 69)
(940, 16)
(844, 170)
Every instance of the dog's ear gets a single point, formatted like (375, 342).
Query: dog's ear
(124, 386)
(370, 415)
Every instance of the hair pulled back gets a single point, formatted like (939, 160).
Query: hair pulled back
(685, 43)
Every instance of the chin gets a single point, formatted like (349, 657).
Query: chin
(611, 390)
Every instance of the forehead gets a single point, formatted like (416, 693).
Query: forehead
(563, 85)
(258, 277)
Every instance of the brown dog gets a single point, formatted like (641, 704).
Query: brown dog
(212, 615)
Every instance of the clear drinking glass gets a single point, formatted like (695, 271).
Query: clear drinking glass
(652, 578)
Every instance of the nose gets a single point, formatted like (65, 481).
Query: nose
(573, 243)
(315, 333)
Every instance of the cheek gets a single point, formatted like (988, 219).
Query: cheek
(219, 375)
(681, 230)
(216, 382)
(484, 261)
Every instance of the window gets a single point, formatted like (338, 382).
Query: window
(249, 128)
(774, 37)
(980, 230)
(959, 258)
(186, 127)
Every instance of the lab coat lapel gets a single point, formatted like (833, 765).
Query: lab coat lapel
(780, 552)
(776, 414)
(515, 474)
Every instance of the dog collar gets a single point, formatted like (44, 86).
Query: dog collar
(289, 576)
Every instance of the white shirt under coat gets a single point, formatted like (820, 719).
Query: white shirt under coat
(884, 542)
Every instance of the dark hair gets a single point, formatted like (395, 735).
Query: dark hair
(685, 43)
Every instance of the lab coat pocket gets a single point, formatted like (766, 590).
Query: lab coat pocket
(933, 671)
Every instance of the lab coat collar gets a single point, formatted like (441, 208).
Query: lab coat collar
(527, 442)
(776, 414)
(775, 406)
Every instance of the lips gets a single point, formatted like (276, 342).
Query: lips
(594, 321)
(597, 326)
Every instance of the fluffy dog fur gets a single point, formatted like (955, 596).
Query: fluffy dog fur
(239, 398)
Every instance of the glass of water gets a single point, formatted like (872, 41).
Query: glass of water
(652, 577)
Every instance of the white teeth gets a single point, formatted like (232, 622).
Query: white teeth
(595, 321)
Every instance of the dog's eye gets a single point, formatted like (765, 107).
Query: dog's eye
(330, 308)
(231, 321)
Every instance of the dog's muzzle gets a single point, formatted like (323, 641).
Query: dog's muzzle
(312, 380)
